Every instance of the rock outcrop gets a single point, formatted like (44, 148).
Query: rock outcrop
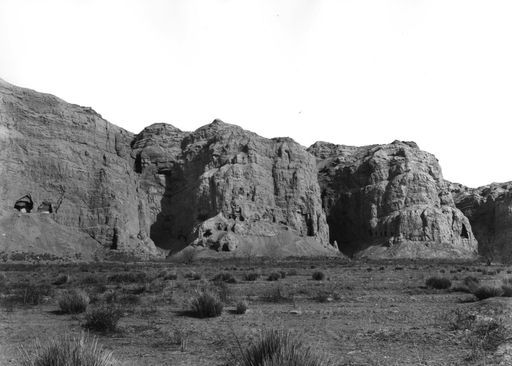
(489, 209)
(229, 189)
(96, 188)
(390, 201)
(72, 158)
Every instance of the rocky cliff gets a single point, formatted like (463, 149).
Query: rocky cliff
(390, 201)
(489, 210)
(72, 158)
(229, 189)
(96, 188)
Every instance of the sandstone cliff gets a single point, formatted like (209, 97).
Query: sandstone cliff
(71, 157)
(489, 210)
(229, 189)
(390, 201)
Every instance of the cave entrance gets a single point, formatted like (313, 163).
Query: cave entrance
(464, 233)
(24, 204)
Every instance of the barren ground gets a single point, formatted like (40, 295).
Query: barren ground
(362, 313)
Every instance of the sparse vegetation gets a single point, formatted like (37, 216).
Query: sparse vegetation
(486, 291)
(224, 277)
(68, 351)
(274, 276)
(252, 276)
(279, 348)
(241, 307)
(439, 283)
(61, 280)
(103, 318)
(74, 301)
(318, 276)
(206, 305)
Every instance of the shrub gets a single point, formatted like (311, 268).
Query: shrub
(318, 275)
(485, 292)
(68, 351)
(170, 276)
(128, 277)
(91, 280)
(252, 276)
(206, 305)
(487, 335)
(241, 307)
(103, 319)
(507, 290)
(292, 272)
(193, 276)
(61, 280)
(283, 274)
(188, 255)
(439, 283)
(279, 348)
(274, 276)
(224, 277)
(74, 301)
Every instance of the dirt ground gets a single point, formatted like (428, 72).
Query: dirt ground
(361, 313)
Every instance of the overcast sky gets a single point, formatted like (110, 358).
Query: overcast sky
(349, 72)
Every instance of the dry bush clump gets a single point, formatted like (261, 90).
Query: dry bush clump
(103, 318)
(62, 279)
(241, 307)
(68, 351)
(251, 276)
(74, 301)
(29, 293)
(279, 348)
(485, 291)
(224, 277)
(318, 275)
(274, 276)
(206, 305)
(439, 283)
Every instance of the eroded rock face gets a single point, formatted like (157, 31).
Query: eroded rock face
(221, 185)
(390, 201)
(489, 210)
(68, 155)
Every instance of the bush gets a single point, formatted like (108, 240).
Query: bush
(283, 274)
(103, 319)
(206, 305)
(318, 275)
(485, 292)
(91, 280)
(471, 282)
(170, 276)
(279, 348)
(241, 307)
(188, 255)
(507, 290)
(439, 283)
(223, 291)
(252, 276)
(224, 277)
(61, 280)
(193, 276)
(276, 294)
(274, 276)
(68, 351)
(74, 302)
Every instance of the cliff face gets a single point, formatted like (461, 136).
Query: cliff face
(71, 157)
(229, 189)
(101, 188)
(390, 201)
(489, 210)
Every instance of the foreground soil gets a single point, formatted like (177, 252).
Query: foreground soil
(361, 313)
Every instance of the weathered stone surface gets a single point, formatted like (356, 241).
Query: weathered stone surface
(390, 201)
(489, 209)
(221, 185)
(70, 156)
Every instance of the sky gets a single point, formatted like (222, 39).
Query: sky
(437, 72)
